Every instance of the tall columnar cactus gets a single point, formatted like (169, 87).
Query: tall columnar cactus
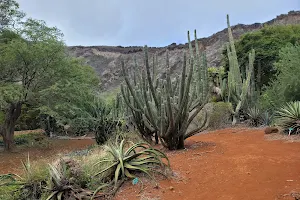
(238, 88)
(162, 106)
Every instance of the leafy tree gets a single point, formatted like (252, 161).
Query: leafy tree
(70, 95)
(267, 43)
(32, 63)
(286, 86)
(9, 13)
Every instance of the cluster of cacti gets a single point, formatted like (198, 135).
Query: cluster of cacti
(163, 107)
(238, 88)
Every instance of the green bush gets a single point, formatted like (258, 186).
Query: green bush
(29, 139)
(220, 115)
(286, 86)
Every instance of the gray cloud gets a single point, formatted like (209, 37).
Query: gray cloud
(155, 22)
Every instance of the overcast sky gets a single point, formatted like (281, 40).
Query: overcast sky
(151, 22)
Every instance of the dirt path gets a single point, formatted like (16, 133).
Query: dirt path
(11, 162)
(231, 164)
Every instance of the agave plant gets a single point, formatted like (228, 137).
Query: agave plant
(267, 118)
(62, 186)
(288, 117)
(255, 116)
(138, 158)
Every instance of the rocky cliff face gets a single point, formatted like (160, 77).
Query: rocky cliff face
(107, 59)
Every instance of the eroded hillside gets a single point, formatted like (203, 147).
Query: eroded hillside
(106, 59)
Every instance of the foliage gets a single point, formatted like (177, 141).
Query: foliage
(31, 139)
(165, 107)
(28, 186)
(267, 118)
(64, 181)
(267, 43)
(220, 115)
(29, 119)
(138, 158)
(36, 68)
(286, 86)
(255, 116)
(2, 117)
(238, 88)
(70, 96)
(288, 116)
(9, 13)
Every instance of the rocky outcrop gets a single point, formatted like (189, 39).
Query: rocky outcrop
(106, 59)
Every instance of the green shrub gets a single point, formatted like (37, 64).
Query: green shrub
(220, 115)
(286, 86)
(29, 139)
(29, 185)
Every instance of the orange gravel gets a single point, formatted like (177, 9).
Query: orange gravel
(229, 164)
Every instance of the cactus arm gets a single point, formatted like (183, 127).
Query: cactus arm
(195, 131)
(150, 82)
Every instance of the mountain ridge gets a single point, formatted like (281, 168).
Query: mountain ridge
(106, 59)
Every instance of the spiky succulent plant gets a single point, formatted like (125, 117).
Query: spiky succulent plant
(126, 163)
(288, 116)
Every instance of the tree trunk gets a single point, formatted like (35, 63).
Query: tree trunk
(7, 130)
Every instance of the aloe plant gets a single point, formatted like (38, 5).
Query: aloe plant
(126, 163)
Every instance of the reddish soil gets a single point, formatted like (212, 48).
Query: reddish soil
(230, 164)
(11, 162)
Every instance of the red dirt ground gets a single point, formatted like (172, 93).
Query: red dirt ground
(230, 164)
(11, 162)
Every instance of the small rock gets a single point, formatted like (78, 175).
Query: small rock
(171, 188)
(156, 187)
(270, 130)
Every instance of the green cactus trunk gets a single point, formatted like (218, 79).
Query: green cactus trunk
(238, 88)
(164, 108)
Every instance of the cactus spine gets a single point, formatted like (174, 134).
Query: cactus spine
(164, 107)
(238, 88)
